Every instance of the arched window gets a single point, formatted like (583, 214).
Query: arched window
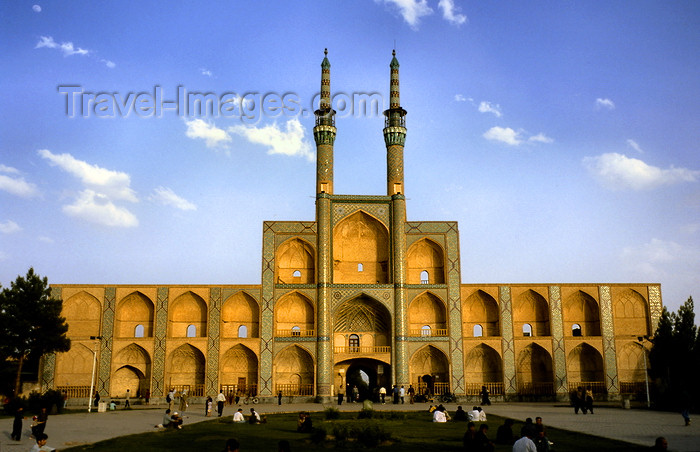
(360, 267)
(576, 330)
(296, 331)
(478, 331)
(425, 331)
(191, 331)
(296, 274)
(424, 277)
(527, 329)
(242, 331)
(139, 331)
(354, 343)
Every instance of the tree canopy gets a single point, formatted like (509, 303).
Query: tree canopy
(674, 359)
(30, 323)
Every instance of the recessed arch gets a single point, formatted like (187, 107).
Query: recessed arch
(294, 310)
(239, 368)
(293, 370)
(360, 239)
(481, 309)
(186, 366)
(240, 309)
(132, 370)
(427, 309)
(294, 262)
(429, 370)
(534, 365)
(83, 313)
(630, 362)
(581, 309)
(186, 310)
(532, 308)
(584, 364)
(631, 314)
(132, 310)
(74, 367)
(425, 263)
(483, 365)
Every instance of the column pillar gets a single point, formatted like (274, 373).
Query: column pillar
(510, 384)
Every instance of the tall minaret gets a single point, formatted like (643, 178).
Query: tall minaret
(395, 138)
(324, 134)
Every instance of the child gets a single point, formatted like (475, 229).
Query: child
(210, 402)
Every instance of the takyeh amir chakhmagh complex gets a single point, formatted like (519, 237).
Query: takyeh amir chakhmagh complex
(359, 297)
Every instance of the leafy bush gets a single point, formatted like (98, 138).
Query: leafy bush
(371, 435)
(331, 413)
(318, 435)
(365, 414)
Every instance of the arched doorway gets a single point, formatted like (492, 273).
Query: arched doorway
(367, 374)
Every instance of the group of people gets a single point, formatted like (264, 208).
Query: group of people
(582, 400)
(304, 423)
(173, 420)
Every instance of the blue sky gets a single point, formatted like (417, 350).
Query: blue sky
(562, 136)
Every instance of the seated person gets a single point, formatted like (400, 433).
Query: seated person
(483, 442)
(176, 421)
(528, 429)
(439, 414)
(482, 414)
(40, 445)
(470, 440)
(504, 434)
(254, 417)
(166, 420)
(541, 441)
(238, 416)
(460, 414)
(307, 426)
(474, 415)
(300, 420)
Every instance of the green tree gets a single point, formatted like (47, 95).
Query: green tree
(30, 323)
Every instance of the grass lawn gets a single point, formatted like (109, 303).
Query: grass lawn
(413, 431)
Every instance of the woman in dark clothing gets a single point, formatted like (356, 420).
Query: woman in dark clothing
(17, 424)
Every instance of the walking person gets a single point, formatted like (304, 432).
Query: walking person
(340, 398)
(485, 396)
(40, 424)
(402, 394)
(220, 400)
(589, 400)
(279, 398)
(395, 394)
(411, 394)
(170, 398)
(17, 424)
(183, 402)
(97, 398)
(382, 394)
(126, 401)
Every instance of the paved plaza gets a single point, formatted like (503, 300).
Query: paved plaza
(636, 426)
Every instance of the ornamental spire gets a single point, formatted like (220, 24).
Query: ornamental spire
(394, 87)
(325, 82)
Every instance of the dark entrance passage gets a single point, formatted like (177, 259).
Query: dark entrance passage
(367, 375)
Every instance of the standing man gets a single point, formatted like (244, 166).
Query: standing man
(402, 394)
(170, 398)
(220, 399)
(126, 401)
(279, 398)
(382, 394)
(411, 394)
(340, 397)
(395, 394)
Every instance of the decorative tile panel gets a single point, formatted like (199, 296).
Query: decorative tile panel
(267, 303)
(48, 369)
(558, 349)
(655, 306)
(105, 364)
(608, 340)
(507, 341)
(380, 211)
(213, 326)
(159, 339)
(454, 303)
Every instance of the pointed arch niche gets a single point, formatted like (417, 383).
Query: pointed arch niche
(483, 365)
(294, 262)
(186, 310)
(83, 313)
(132, 371)
(534, 371)
(584, 364)
(631, 315)
(133, 310)
(74, 367)
(186, 368)
(294, 316)
(240, 309)
(630, 362)
(427, 310)
(365, 317)
(531, 308)
(481, 309)
(581, 309)
(294, 371)
(430, 370)
(360, 250)
(425, 263)
(239, 366)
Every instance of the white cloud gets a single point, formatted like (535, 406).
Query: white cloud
(36, 8)
(166, 196)
(503, 134)
(450, 12)
(98, 208)
(290, 142)
(9, 227)
(205, 71)
(658, 257)
(16, 185)
(540, 138)
(633, 144)
(115, 184)
(66, 47)
(604, 103)
(460, 98)
(45, 239)
(617, 171)
(109, 64)
(212, 135)
(412, 10)
(488, 107)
